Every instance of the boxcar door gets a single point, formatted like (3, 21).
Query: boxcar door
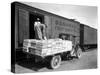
(23, 27)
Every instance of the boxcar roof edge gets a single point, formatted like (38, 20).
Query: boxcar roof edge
(30, 7)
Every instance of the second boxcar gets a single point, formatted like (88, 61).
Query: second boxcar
(88, 36)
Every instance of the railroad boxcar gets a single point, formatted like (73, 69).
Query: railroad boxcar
(88, 37)
(57, 26)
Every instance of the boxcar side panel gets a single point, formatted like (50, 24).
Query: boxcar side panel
(64, 26)
(90, 35)
(23, 25)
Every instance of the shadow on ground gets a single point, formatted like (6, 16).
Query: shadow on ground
(30, 64)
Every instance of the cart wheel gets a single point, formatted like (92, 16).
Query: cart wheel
(79, 53)
(55, 62)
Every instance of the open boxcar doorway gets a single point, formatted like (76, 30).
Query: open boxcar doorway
(32, 18)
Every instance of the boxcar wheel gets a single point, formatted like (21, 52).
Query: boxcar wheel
(55, 62)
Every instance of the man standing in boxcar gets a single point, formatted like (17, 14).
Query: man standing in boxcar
(39, 30)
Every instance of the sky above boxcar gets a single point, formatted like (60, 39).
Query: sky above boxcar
(84, 14)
